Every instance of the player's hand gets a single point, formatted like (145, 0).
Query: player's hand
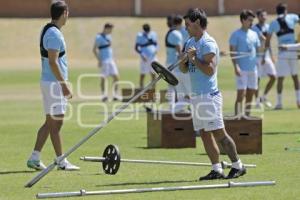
(237, 71)
(66, 91)
(191, 53)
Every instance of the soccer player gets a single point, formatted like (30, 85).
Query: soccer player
(201, 65)
(245, 42)
(103, 51)
(287, 64)
(265, 63)
(174, 44)
(146, 47)
(55, 90)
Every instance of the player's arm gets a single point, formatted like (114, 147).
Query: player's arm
(53, 62)
(237, 69)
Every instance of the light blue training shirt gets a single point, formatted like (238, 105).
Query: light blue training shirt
(54, 40)
(103, 42)
(291, 21)
(143, 39)
(200, 82)
(245, 42)
(174, 38)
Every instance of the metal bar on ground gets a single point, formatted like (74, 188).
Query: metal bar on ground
(157, 189)
(101, 159)
(44, 172)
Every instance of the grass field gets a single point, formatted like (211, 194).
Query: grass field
(21, 115)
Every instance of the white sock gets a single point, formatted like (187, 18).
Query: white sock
(264, 97)
(298, 95)
(35, 155)
(217, 167)
(237, 165)
(279, 99)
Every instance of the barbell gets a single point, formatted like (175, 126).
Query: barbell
(111, 160)
(162, 72)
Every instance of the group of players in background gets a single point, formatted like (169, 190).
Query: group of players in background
(198, 55)
(250, 50)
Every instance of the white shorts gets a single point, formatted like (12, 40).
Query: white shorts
(247, 80)
(53, 99)
(109, 68)
(207, 112)
(287, 63)
(266, 69)
(145, 66)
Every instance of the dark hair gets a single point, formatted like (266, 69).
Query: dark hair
(108, 25)
(177, 20)
(146, 28)
(196, 13)
(259, 12)
(57, 9)
(281, 8)
(245, 14)
(170, 20)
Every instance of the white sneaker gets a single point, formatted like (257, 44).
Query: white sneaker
(267, 103)
(67, 166)
(36, 164)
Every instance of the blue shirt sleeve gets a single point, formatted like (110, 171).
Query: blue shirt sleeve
(53, 42)
(209, 47)
(175, 38)
(274, 27)
(233, 41)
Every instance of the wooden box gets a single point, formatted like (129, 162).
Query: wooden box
(246, 132)
(166, 131)
(128, 93)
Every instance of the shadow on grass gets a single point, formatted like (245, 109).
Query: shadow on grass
(282, 133)
(147, 183)
(17, 172)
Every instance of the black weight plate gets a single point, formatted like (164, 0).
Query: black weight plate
(164, 73)
(112, 160)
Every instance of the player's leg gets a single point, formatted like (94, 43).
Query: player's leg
(241, 85)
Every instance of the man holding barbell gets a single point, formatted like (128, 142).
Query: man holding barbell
(201, 64)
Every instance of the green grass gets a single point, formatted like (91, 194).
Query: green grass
(21, 115)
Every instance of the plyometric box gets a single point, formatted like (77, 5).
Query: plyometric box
(128, 93)
(246, 133)
(168, 130)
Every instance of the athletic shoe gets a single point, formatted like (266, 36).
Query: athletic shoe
(67, 166)
(235, 173)
(267, 103)
(36, 164)
(212, 175)
(278, 107)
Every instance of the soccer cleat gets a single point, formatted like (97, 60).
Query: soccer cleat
(235, 173)
(278, 107)
(67, 166)
(36, 164)
(212, 175)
